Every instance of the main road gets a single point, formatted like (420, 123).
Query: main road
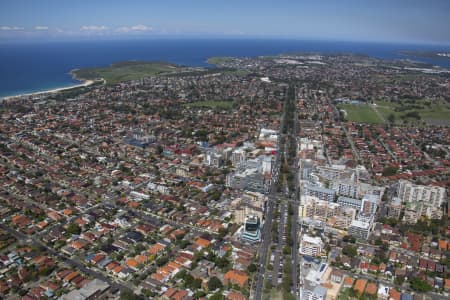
(267, 227)
(295, 170)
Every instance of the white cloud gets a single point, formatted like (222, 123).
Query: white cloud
(40, 27)
(10, 28)
(135, 28)
(93, 28)
(141, 28)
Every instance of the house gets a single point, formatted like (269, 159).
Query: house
(145, 229)
(176, 233)
(336, 276)
(236, 277)
(169, 293)
(360, 285)
(156, 248)
(235, 296)
(180, 295)
(201, 243)
(394, 295)
(348, 282)
(371, 289)
(78, 244)
(447, 284)
(443, 245)
(71, 276)
(112, 265)
(141, 259)
(98, 258)
(132, 263)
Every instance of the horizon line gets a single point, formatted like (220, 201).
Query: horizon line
(221, 37)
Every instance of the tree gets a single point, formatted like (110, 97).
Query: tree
(251, 268)
(128, 295)
(181, 274)
(73, 229)
(389, 171)
(162, 261)
(196, 284)
(217, 296)
(159, 149)
(419, 285)
(399, 280)
(148, 293)
(349, 250)
(288, 296)
(45, 271)
(349, 239)
(222, 262)
(188, 279)
(214, 283)
(139, 248)
(199, 294)
(223, 232)
(391, 118)
(287, 250)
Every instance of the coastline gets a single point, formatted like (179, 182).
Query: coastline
(51, 91)
(190, 56)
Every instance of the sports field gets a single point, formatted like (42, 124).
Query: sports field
(361, 113)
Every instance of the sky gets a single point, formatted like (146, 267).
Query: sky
(414, 21)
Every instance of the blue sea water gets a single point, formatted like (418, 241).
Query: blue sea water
(38, 66)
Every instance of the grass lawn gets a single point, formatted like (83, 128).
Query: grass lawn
(276, 294)
(219, 60)
(125, 71)
(360, 113)
(428, 111)
(345, 294)
(212, 104)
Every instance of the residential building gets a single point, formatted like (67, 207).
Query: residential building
(317, 292)
(311, 246)
(360, 229)
(369, 205)
(350, 202)
(395, 207)
(421, 200)
(319, 192)
(313, 207)
(214, 159)
(345, 188)
(238, 156)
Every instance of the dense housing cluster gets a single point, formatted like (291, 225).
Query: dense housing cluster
(243, 183)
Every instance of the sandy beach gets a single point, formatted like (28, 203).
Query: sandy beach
(52, 91)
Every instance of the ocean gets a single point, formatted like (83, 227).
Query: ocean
(39, 66)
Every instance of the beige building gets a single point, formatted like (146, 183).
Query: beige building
(333, 214)
(250, 203)
(421, 200)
